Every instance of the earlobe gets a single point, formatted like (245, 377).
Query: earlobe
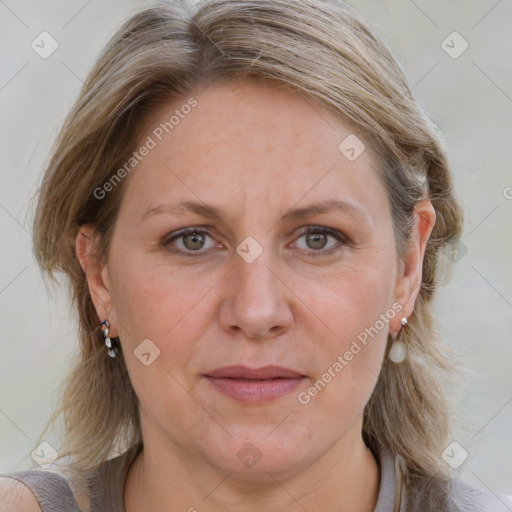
(96, 272)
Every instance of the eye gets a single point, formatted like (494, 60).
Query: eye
(193, 241)
(188, 241)
(316, 239)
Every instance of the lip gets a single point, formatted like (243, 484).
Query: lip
(254, 385)
(244, 372)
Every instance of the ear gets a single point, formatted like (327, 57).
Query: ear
(409, 280)
(96, 274)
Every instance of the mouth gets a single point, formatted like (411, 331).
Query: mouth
(254, 385)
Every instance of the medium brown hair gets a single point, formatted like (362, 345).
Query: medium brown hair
(323, 51)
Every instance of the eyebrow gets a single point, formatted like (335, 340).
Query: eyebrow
(214, 213)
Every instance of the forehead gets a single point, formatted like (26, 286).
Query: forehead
(245, 141)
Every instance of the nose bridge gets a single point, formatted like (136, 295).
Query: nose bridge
(254, 277)
(257, 303)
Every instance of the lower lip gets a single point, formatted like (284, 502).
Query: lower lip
(255, 391)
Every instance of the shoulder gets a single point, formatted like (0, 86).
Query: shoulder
(16, 495)
(36, 491)
(466, 497)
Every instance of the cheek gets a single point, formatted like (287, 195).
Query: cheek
(352, 301)
(347, 364)
(353, 315)
(154, 301)
(171, 310)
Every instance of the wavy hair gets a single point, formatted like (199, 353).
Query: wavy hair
(323, 51)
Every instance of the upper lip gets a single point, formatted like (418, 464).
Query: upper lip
(244, 372)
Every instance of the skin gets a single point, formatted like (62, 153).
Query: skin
(254, 152)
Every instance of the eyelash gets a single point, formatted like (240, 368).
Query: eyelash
(311, 229)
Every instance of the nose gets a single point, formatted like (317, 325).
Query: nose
(257, 300)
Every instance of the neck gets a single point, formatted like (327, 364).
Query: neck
(345, 479)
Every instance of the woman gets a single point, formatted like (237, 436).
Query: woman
(251, 210)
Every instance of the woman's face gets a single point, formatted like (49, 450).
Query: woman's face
(251, 170)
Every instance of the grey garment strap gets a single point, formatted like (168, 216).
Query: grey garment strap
(108, 480)
(51, 490)
(402, 484)
(387, 500)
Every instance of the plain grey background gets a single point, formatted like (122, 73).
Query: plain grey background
(468, 95)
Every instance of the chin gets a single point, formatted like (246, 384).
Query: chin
(253, 459)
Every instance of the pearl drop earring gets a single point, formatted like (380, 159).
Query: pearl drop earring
(398, 350)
